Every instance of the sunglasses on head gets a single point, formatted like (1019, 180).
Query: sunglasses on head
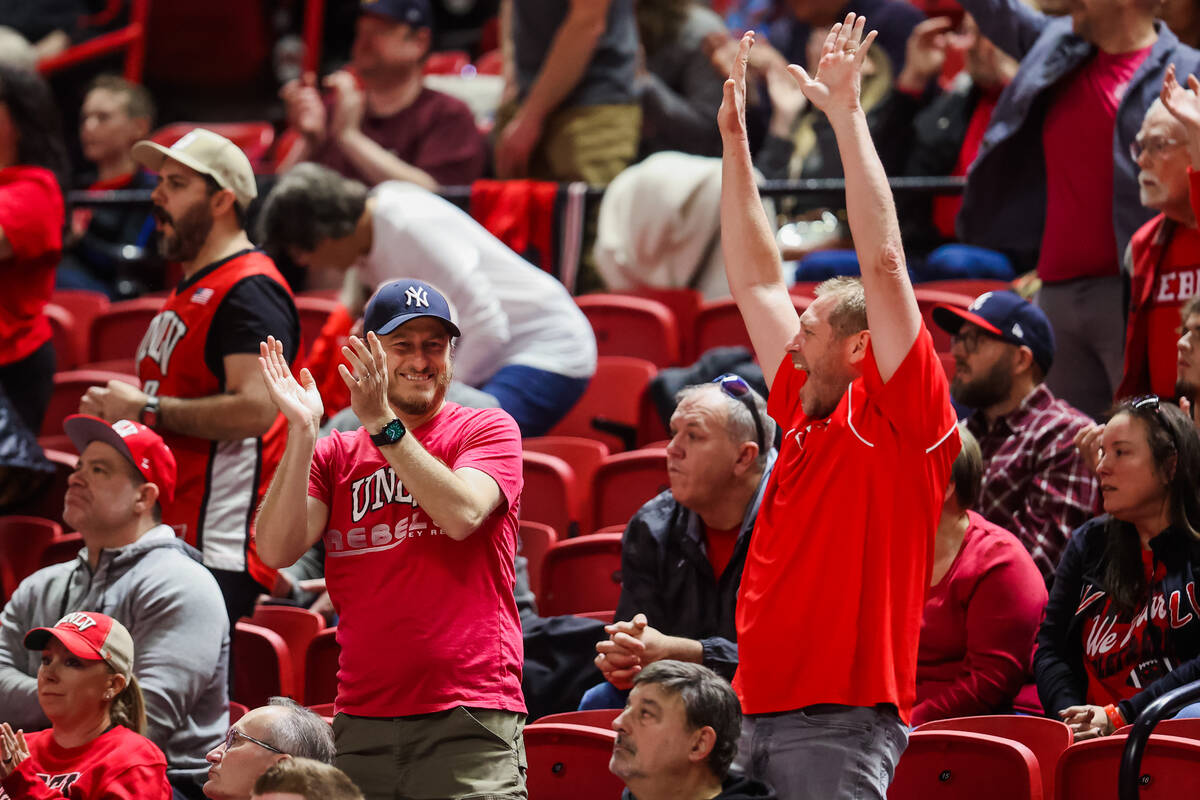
(737, 388)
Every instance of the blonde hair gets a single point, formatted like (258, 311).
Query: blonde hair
(129, 708)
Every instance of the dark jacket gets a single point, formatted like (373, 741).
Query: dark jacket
(733, 788)
(1058, 663)
(666, 575)
(1004, 206)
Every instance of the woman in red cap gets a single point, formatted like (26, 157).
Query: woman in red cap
(94, 748)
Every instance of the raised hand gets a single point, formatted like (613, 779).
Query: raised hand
(731, 117)
(368, 382)
(1184, 105)
(925, 54)
(300, 402)
(13, 749)
(835, 87)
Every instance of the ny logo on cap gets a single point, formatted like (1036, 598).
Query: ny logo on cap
(1017, 331)
(415, 294)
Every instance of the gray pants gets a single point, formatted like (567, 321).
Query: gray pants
(1088, 318)
(826, 752)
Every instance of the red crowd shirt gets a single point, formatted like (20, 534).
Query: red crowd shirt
(1079, 240)
(829, 609)
(1177, 280)
(946, 207)
(32, 216)
(719, 546)
(116, 765)
(1122, 655)
(979, 625)
(426, 623)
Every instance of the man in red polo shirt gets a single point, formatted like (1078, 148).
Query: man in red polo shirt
(830, 606)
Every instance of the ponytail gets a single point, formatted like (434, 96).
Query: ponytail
(129, 708)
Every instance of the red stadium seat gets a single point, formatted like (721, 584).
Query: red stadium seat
(297, 627)
(549, 493)
(1170, 769)
(584, 456)
(448, 62)
(592, 718)
(632, 326)
(1046, 738)
(117, 331)
(62, 548)
(314, 312)
(927, 299)
(581, 575)
(262, 665)
(611, 409)
(23, 539)
(490, 63)
(1185, 728)
(64, 333)
(534, 539)
(971, 287)
(69, 388)
(954, 765)
(321, 668)
(47, 502)
(719, 324)
(804, 288)
(325, 711)
(569, 762)
(236, 712)
(684, 304)
(624, 482)
(83, 304)
(254, 138)
(131, 38)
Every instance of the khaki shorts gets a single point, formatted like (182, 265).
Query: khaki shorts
(462, 753)
(583, 143)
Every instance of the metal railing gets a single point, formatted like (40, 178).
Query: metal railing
(1135, 744)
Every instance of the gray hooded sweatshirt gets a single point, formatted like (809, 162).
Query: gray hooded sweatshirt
(158, 588)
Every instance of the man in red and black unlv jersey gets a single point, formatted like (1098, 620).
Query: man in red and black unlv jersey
(201, 388)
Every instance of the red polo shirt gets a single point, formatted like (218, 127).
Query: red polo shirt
(830, 604)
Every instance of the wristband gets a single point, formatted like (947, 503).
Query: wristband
(1115, 718)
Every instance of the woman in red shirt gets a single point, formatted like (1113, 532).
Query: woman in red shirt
(1122, 624)
(94, 749)
(33, 160)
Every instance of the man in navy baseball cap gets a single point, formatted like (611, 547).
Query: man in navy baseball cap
(397, 302)
(1035, 484)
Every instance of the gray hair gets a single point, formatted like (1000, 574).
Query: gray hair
(708, 700)
(308, 205)
(739, 424)
(300, 732)
(849, 316)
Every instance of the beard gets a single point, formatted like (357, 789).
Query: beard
(986, 390)
(191, 232)
(419, 406)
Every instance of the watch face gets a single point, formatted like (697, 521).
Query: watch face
(393, 430)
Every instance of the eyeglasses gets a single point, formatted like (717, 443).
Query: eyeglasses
(969, 339)
(738, 389)
(234, 734)
(1153, 146)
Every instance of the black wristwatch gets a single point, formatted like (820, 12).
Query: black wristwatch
(391, 433)
(149, 415)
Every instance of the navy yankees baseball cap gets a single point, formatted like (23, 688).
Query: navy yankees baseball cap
(414, 13)
(399, 301)
(1007, 316)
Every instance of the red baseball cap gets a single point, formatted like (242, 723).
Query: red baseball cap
(144, 448)
(90, 636)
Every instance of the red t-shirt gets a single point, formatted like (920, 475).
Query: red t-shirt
(437, 133)
(1122, 655)
(426, 623)
(719, 545)
(1178, 279)
(1079, 240)
(32, 216)
(116, 765)
(945, 207)
(979, 625)
(829, 609)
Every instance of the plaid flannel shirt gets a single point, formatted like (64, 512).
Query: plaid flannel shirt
(1035, 483)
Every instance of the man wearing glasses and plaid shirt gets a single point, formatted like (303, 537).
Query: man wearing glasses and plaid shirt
(683, 552)
(1035, 483)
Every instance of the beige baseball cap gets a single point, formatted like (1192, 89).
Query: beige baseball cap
(209, 154)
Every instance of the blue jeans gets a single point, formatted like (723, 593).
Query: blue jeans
(824, 752)
(535, 398)
(603, 695)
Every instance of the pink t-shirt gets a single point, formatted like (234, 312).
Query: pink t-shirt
(1077, 139)
(426, 623)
